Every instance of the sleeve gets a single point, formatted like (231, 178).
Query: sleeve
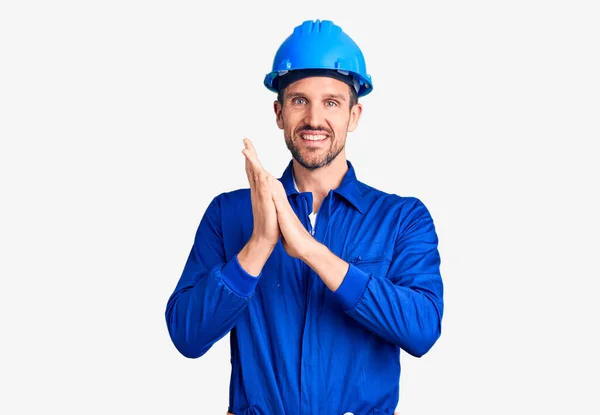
(405, 307)
(211, 292)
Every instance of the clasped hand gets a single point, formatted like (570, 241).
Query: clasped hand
(274, 218)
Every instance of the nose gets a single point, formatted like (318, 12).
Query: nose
(314, 115)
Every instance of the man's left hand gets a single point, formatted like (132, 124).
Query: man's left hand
(296, 240)
(299, 243)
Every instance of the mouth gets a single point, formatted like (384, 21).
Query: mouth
(313, 137)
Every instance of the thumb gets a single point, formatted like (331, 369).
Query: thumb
(276, 187)
(278, 194)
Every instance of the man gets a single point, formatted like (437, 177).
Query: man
(318, 278)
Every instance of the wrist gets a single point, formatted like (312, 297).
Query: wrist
(261, 246)
(314, 250)
(254, 255)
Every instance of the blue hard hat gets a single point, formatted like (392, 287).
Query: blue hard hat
(320, 45)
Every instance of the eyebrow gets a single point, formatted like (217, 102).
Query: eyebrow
(336, 96)
(329, 96)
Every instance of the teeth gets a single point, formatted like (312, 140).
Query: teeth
(313, 137)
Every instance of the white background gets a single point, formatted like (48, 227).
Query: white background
(121, 120)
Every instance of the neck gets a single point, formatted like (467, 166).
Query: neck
(320, 181)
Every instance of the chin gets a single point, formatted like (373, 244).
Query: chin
(314, 164)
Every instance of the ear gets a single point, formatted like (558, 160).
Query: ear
(355, 113)
(278, 109)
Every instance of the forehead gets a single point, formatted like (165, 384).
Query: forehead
(319, 86)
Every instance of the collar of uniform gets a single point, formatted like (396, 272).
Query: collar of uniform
(348, 188)
(287, 179)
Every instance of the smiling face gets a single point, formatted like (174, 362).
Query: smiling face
(315, 117)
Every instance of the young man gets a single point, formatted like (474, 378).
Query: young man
(319, 279)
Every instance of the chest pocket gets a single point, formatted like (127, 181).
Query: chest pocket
(371, 257)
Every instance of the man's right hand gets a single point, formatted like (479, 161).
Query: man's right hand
(266, 231)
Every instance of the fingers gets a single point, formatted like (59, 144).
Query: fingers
(250, 153)
(278, 194)
(254, 169)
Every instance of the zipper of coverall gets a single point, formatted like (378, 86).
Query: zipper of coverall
(307, 270)
(320, 230)
(305, 209)
(319, 234)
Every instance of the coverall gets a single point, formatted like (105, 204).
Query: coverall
(296, 346)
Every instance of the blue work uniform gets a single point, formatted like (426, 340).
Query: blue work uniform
(298, 348)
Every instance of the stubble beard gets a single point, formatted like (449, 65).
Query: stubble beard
(313, 164)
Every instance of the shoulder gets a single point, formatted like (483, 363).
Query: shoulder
(231, 201)
(405, 209)
(236, 195)
(377, 197)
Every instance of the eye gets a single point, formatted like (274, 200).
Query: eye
(331, 103)
(299, 101)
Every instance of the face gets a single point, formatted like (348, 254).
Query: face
(315, 118)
